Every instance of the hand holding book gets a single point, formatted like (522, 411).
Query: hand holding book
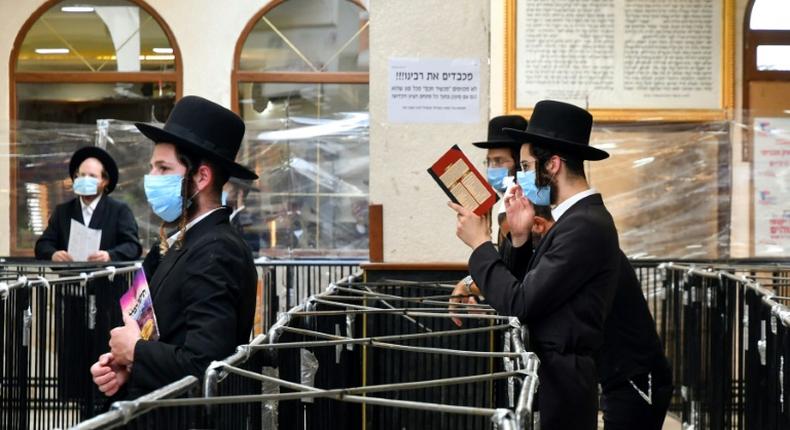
(462, 182)
(137, 304)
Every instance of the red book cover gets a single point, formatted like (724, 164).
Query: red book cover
(464, 184)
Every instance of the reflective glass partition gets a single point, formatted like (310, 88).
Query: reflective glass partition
(77, 65)
(302, 88)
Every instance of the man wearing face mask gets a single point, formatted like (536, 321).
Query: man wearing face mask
(94, 175)
(502, 161)
(201, 274)
(565, 292)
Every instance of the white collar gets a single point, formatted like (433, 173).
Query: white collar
(172, 239)
(563, 207)
(93, 204)
(236, 211)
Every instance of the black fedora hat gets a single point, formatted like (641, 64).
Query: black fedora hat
(498, 138)
(104, 158)
(244, 184)
(205, 128)
(560, 127)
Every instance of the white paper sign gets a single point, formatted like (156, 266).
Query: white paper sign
(772, 186)
(83, 241)
(434, 90)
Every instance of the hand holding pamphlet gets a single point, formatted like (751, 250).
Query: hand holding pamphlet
(138, 304)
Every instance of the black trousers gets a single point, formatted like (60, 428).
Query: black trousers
(624, 408)
(568, 392)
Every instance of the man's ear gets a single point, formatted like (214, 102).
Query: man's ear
(203, 177)
(539, 225)
(555, 163)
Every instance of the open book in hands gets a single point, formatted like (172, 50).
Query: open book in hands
(462, 182)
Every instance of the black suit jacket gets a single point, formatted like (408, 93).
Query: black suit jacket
(563, 295)
(566, 291)
(114, 218)
(204, 301)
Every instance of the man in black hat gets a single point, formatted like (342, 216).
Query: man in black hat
(234, 196)
(94, 176)
(502, 161)
(565, 292)
(635, 376)
(201, 274)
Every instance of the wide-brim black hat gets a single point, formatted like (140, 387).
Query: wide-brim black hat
(498, 138)
(205, 128)
(561, 128)
(104, 158)
(244, 184)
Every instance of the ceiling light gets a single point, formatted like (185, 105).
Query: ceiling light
(163, 50)
(50, 51)
(77, 9)
(157, 57)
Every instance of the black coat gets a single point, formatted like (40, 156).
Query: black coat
(114, 219)
(631, 344)
(563, 296)
(204, 302)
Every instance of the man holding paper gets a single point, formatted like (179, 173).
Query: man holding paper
(92, 226)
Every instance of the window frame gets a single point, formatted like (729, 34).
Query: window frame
(239, 77)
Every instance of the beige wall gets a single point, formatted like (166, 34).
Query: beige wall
(418, 225)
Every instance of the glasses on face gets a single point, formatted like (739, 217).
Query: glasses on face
(497, 162)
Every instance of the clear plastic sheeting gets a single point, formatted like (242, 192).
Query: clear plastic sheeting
(668, 187)
(309, 369)
(313, 186)
(310, 201)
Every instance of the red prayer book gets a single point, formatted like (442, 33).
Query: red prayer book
(462, 182)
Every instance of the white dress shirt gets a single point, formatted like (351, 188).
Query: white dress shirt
(87, 210)
(563, 207)
(172, 239)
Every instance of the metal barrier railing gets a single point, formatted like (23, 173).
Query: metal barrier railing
(140, 413)
(726, 336)
(723, 325)
(55, 321)
(357, 342)
(52, 324)
(286, 283)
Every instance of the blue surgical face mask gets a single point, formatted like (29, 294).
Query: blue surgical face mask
(224, 198)
(164, 195)
(538, 196)
(496, 177)
(86, 186)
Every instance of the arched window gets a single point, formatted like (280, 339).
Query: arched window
(74, 65)
(766, 45)
(301, 85)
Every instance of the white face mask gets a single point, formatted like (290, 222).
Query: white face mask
(86, 186)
